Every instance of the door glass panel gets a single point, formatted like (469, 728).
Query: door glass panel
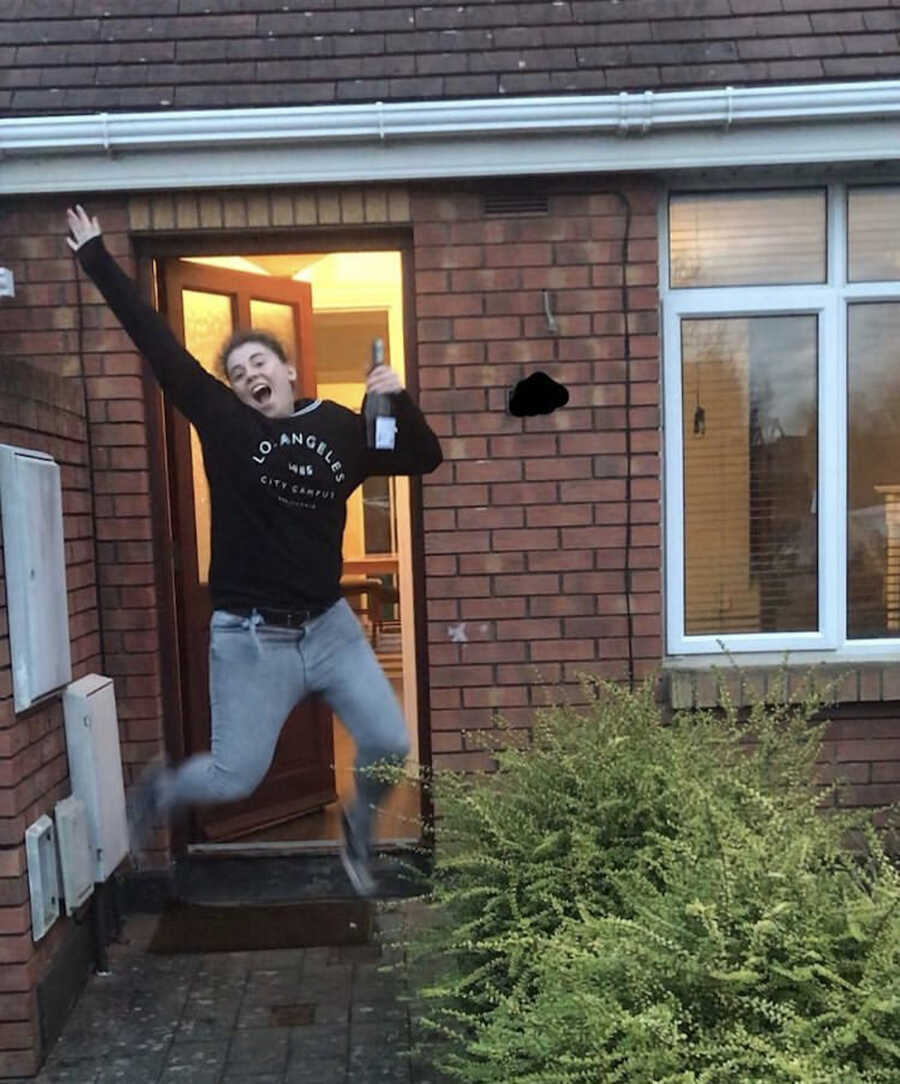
(750, 474)
(747, 238)
(208, 321)
(873, 471)
(873, 234)
(276, 319)
(377, 520)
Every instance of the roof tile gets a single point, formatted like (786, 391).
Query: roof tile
(106, 8)
(74, 55)
(862, 67)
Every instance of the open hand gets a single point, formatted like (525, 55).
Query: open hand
(82, 227)
(383, 379)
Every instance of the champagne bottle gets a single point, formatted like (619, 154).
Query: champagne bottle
(379, 409)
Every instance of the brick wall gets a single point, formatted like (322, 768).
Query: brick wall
(41, 325)
(862, 749)
(526, 519)
(44, 412)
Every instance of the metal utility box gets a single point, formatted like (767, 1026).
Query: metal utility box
(35, 562)
(76, 855)
(95, 768)
(43, 881)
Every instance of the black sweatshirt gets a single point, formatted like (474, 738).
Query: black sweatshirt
(278, 486)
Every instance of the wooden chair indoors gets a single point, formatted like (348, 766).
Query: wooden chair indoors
(364, 593)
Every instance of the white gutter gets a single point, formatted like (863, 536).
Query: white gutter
(499, 136)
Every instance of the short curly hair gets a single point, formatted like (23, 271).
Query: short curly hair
(239, 337)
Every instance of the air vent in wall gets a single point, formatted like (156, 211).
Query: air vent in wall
(516, 203)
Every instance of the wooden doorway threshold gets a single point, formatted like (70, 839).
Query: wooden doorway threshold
(287, 848)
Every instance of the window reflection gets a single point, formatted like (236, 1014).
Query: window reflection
(873, 234)
(747, 238)
(873, 471)
(750, 474)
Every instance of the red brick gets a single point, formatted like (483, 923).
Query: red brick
(530, 629)
(486, 279)
(457, 542)
(439, 519)
(525, 539)
(610, 670)
(507, 470)
(460, 676)
(457, 304)
(490, 609)
(452, 401)
(487, 327)
(428, 282)
(430, 257)
(491, 562)
(450, 353)
(602, 626)
(511, 696)
(441, 610)
(560, 560)
(479, 518)
(536, 444)
(464, 448)
(454, 495)
(872, 794)
(14, 949)
(867, 749)
(888, 772)
(459, 586)
(19, 1063)
(546, 584)
(560, 468)
(493, 652)
(462, 762)
(561, 606)
(439, 565)
(519, 255)
(446, 741)
(550, 650)
(535, 493)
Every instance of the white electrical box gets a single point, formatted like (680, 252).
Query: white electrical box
(95, 768)
(34, 555)
(76, 856)
(43, 882)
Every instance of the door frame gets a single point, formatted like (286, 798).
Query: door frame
(151, 250)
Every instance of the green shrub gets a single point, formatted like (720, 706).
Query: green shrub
(629, 901)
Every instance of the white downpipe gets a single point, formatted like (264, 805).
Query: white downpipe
(372, 141)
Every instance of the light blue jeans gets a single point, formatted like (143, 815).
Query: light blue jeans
(257, 674)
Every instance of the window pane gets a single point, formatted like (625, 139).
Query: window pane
(377, 515)
(747, 238)
(750, 474)
(276, 319)
(208, 321)
(873, 229)
(873, 471)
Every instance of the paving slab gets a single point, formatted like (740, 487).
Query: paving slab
(323, 1015)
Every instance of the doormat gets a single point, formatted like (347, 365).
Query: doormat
(194, 927)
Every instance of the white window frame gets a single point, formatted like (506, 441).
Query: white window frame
(829, 303)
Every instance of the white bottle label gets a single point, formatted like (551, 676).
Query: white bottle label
(385, 432)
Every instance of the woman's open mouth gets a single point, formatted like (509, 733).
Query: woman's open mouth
(261, 394)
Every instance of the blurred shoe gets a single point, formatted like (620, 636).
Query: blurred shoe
(355, 860)
(143, 806)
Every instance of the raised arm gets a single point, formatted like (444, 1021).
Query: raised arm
(417, 449)
(183, 379)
